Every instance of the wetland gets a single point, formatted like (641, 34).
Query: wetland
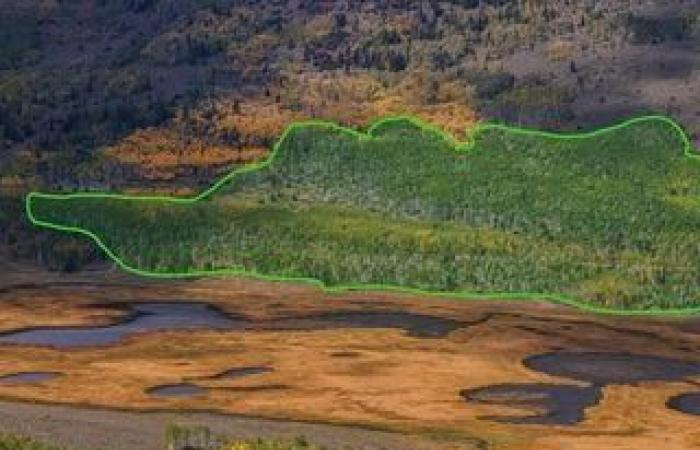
(427, 368)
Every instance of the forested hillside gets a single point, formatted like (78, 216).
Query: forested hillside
(610, 218)
(142, 95)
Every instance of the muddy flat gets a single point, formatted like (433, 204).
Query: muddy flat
(443, 374)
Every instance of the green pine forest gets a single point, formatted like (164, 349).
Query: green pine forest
(610, 218)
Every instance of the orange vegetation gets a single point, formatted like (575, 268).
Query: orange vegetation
(350, 98)
(157, 147)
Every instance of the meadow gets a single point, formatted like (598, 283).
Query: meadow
(610, 218)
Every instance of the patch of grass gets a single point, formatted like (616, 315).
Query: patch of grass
(201, 438)
(604, 218)
(299, 443)
(10, 442)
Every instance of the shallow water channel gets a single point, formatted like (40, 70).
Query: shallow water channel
(27, 377)
(176, 390)
(148, 317)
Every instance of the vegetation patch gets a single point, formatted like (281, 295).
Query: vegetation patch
(180, 438)
(11, 442)
(591, 216)
(201, 438)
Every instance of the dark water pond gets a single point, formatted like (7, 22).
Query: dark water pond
(28, 377)
(415, 325)
(186, 389)
(611, 368)
(564, 404)
(176, 390)
(687, 403)
(561, 404)
(144, 317)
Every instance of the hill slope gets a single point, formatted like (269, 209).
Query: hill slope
(122, 92)
(609, 217)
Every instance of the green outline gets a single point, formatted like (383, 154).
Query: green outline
(465, 146)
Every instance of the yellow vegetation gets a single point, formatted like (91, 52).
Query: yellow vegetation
(350, 98)
(160, 148)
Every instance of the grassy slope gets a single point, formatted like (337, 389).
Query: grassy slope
(611, 219)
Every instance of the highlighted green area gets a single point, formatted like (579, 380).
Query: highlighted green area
(608, 220)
